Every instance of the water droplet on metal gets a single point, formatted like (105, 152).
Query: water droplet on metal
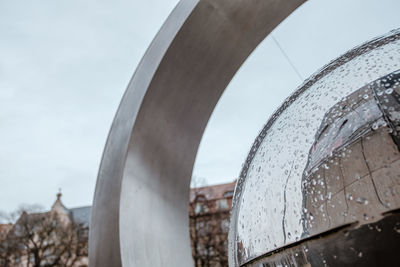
(389, 91)
(362, 200)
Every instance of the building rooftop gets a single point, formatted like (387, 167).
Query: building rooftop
(213, 191)
(81, 215)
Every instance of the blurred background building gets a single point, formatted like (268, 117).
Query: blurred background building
(209, 212)
(59, 237)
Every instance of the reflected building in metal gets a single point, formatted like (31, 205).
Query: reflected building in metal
(321, 185)
(349, 176)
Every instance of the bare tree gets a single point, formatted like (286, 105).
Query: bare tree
(43, 240)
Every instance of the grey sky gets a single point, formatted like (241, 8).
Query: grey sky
(64, 66)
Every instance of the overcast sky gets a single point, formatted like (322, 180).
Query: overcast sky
(64, 65)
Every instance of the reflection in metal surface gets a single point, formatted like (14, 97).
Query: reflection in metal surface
(371, 244)
(343, 181)
(139, 216)
(327, 161)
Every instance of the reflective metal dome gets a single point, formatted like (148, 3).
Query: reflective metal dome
(321, 184)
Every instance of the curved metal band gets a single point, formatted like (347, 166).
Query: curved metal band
(140, 211)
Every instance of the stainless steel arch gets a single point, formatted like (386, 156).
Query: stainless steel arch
(139, 215)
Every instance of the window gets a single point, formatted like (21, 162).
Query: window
(222, 204)
(228, 193)
(225, 225)
(200, 208)
(200, 204)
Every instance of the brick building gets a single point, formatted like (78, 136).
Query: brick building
(209, 213)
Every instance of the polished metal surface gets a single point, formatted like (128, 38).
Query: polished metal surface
(372, 244)
(321, 185)
(140, 212)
